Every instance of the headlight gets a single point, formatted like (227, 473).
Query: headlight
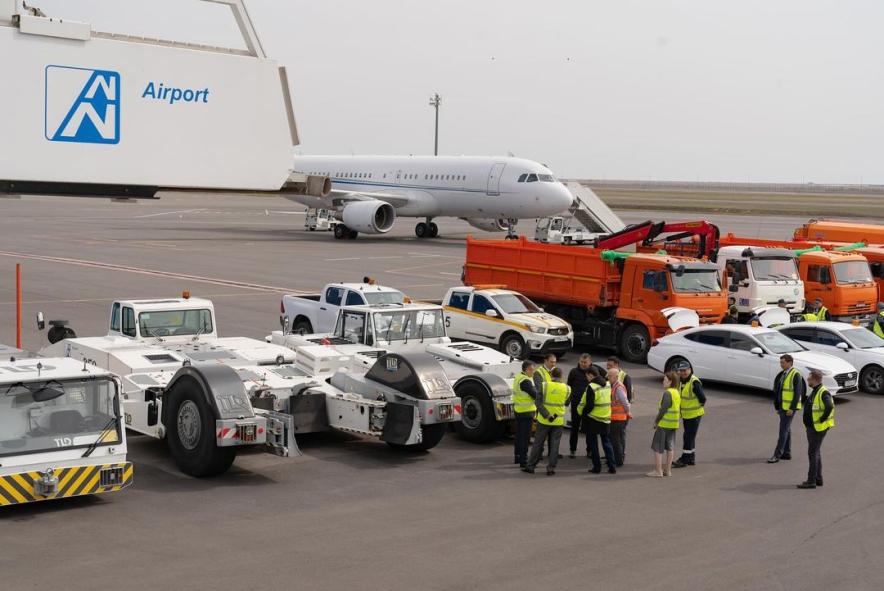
(535, 328)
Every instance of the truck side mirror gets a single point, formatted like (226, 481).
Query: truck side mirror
(284, 322)
(733, 288)
(41, 324)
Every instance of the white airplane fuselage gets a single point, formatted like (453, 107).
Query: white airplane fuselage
(471, 187)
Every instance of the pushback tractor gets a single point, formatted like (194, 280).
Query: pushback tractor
(61, 431)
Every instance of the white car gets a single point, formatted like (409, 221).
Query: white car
(857, 345)
(747, 356)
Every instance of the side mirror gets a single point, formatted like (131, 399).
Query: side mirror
(491, 313)
(733, 288)
(41, 324)
(843, 346)
(757, 351)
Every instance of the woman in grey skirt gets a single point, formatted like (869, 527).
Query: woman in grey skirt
(666, 426)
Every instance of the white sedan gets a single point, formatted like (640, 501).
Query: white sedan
(747, 356)
(858, 346)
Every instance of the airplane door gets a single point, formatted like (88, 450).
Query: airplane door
(494, 178)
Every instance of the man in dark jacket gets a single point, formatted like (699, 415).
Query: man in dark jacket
(819, 417)
(732, 316)
(788, 392)
(578, 381)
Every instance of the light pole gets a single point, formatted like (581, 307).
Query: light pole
(435, 100)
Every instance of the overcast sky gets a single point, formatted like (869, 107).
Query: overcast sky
(756, 90)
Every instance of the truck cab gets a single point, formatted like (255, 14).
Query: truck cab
(61, 431)
(757, 277)
(843, 281)
(505, 319)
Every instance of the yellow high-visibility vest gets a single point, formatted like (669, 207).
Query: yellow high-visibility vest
(690, 404)
(522, 401)
(670, 418)
(555, 394)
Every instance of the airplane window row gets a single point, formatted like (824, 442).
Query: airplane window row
(533, 178)
(427, 177)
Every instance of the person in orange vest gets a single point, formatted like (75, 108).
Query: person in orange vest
(620, 415)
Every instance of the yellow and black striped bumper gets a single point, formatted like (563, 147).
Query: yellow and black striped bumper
(72, 482)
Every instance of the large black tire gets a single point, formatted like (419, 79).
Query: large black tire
(434, 230)
(59, 333)
(352, 234)
(635, 343)
(477, 424)
(431, 435)
(871, 379)
(190, 432)
(302, 326)
(513, 345)
(671, 363)
(422, 230)
(341, 231)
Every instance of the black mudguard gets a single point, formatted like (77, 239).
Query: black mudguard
(222, 387)
(309, 412)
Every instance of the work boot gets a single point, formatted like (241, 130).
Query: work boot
(550, 472)
(595, 470)
(786, 456)
(528, 469)
(806, 485)
(612, 470)
(573, 454)
(819, 481)
(679, 463)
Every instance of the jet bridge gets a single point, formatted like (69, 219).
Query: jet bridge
(90, 112)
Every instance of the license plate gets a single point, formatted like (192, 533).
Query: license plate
(850, 383)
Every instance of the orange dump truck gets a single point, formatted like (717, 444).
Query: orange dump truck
(618, 300)
(835, 231)
(841, 279)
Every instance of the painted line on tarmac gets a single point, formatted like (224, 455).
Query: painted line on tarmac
(153, 215)
(211, 296)
(151, 272)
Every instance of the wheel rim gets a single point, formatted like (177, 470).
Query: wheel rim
(189, 425)
(471, 413)
(873, 380)
(635, 344)
(513, 348)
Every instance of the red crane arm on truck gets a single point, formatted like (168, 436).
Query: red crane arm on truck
(647, 233)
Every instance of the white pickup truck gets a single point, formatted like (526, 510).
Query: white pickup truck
(488, 315)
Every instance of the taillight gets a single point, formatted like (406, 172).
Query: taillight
(281, 307)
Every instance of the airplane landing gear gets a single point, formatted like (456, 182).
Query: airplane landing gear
(511, 229)
(426, 229)
(342, 232)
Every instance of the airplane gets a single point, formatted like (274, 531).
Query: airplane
(491, 194)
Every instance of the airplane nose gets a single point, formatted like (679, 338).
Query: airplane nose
(564, 197)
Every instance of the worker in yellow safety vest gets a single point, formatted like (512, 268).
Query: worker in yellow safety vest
(818, 312)
(693, 407)
(878, 324)
(595, 414)
(614, 363)
(551, 401)
(666, 426)
(819, 417)
(787, 396)
(543, 375)
(524, 396)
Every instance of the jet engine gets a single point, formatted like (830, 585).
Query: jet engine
(488, 224)
(369, 217)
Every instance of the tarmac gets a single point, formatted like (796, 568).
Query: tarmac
(354, 513)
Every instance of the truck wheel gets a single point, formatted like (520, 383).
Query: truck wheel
(872, 380)
(341, 231)
(477, 423)
(190, 433)
(670, 365)
(302, 326)
(635, 343)
(513, 345)
(431, 435)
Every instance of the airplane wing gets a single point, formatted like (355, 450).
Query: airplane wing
(339, 198)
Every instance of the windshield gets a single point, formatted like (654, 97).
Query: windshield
(175, 323)
(778, 343)
(696, 281)
(515, 303)
(409, 324)
(774, 269)
(384, 297)
(546, 178)
(852, 272)
(54, 415)
(862, 338)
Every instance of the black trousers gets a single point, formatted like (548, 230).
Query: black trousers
(814, 454)
(784, 438)
(574, 436)
(689, 437)
(523, 435)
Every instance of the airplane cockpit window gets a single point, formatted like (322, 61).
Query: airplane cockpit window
(546, 178)
(532, 178)
(522, 177)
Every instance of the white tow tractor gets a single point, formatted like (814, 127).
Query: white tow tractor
(208, 396)
(320, 219)
(61, 431)
(482, 376)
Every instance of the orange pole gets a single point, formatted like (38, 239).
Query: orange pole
(18, 305)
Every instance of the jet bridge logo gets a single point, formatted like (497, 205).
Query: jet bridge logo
(82, 105)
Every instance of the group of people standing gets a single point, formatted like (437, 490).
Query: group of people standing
(600, 407)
